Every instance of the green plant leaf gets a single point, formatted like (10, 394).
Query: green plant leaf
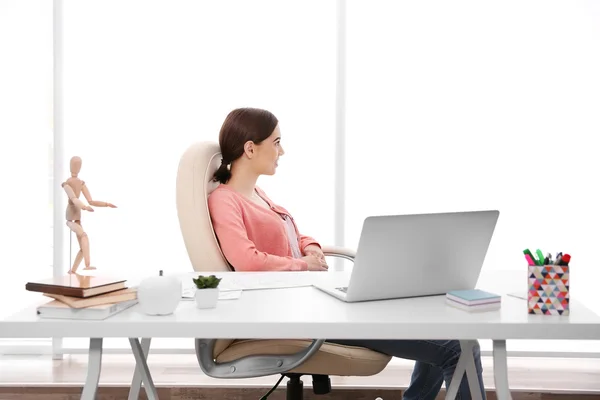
(206, 282)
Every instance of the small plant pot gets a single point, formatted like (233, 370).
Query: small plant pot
(206, 298)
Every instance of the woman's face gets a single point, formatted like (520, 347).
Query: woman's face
(267, 153)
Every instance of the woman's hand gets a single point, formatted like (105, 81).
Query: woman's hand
(313, 249)
(315, 263)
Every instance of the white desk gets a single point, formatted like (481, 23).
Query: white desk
(266, 314)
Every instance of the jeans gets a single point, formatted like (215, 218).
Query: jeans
(435, 363)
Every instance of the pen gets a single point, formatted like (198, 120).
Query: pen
(565, 260)
(558, 259)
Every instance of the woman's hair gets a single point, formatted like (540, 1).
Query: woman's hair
(240, 126)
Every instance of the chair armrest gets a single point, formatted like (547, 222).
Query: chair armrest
(251, 366)
(341, 252)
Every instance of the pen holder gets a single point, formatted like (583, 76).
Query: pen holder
(548, 289)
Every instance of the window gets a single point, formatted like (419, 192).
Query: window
(469, 105)
(144, 80)
(450, 106)
(26, 126)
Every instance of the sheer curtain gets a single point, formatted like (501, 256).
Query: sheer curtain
(25, 163)
(470, 105)
(145, 79)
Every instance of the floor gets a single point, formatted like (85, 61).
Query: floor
(192, 393)
(178, 377)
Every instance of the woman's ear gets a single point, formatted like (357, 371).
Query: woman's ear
(249, 149)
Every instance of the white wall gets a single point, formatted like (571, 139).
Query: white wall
(144, 80)
(25, 146)
(470, 105)
(451, 106)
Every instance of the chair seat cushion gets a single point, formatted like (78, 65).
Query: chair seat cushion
(331, 359)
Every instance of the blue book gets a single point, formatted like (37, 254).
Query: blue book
(473, 297)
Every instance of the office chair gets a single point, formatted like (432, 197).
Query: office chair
(243, 358)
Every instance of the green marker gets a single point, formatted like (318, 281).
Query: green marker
(540, 257)
(528, 253)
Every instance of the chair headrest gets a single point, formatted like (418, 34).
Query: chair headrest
(194, 184)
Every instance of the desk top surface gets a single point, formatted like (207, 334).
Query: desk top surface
(306, 312)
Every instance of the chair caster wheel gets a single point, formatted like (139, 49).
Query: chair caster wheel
(321, 384)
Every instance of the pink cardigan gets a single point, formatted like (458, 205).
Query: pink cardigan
(252, 237)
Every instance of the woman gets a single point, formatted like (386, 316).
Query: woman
(256, 234)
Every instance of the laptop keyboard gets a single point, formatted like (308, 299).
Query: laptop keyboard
(342, 289)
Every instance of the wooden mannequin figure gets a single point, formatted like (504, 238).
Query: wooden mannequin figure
(74, 187)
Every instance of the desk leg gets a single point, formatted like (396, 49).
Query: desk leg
(93, 373)
(466, 364)
(136, 383)
(142, 366)
(501, 370)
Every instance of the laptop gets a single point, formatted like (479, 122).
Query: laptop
(400, 256)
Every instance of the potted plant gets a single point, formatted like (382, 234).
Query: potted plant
(207, 291)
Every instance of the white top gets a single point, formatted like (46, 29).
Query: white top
(292, 237)
(267, 314)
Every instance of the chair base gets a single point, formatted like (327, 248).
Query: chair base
(321, 384)
(295, 386)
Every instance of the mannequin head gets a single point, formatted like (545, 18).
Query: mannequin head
(75, 165)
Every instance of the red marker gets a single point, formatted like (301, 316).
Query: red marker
(565, 259)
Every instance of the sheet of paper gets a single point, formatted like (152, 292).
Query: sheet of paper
(243, 281)
(188, 294)
(260, 281)
(519, 295)
(230, 295)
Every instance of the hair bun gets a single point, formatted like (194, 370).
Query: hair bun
(222, 174)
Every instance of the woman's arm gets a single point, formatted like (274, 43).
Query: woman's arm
(306, 241)
(241, 252)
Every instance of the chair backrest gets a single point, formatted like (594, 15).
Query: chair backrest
(194, 183)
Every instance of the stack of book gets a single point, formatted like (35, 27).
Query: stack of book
(473, 300)
(83, 297)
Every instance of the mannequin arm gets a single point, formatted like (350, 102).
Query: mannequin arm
(69, 191)
(96, 203)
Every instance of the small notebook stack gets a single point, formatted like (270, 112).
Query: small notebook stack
(83, 297)
(473, 300)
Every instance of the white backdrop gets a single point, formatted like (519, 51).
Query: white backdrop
(145, 79)
(164, 75)
(451, 106)
(470, 105)
(25, 147)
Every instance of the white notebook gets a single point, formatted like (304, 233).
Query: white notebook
(57, 309)
(475, 308)
(244, 281)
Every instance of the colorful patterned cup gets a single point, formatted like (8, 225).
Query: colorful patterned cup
(548, 289)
